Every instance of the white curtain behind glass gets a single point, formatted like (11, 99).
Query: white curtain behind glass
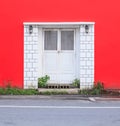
(67, 40)
(50, 40)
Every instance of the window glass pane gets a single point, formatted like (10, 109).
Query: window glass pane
(50, 40)
(67, 40)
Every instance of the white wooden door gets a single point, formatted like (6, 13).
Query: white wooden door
(59, 55)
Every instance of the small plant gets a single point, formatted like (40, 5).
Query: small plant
(17, 91)
(96, 90)
(42, 81)
(76, 83)
(84, 92)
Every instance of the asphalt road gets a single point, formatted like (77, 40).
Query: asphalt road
(39, 112)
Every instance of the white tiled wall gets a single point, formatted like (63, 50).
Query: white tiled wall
(30, 57)
(31, 60)
(86, 56)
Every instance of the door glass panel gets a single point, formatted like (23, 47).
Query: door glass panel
(50, 40)
(67, 40)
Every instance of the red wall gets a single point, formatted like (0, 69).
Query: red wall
(106, 14)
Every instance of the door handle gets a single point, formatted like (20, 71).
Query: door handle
(58, 51)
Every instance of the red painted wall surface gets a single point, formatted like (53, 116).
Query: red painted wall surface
(106, 14)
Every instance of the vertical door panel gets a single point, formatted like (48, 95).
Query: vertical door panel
(67, 67)
(51, 66)
(50, 56)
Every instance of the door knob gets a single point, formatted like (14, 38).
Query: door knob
(58, 51)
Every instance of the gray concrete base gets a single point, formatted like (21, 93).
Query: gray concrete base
(69, 91)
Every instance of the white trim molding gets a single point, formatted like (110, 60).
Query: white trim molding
(57, 23)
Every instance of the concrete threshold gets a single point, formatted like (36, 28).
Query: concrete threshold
(69, 91)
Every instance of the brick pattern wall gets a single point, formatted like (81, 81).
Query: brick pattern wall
(30, 57)
(86, 56)
(31, 54)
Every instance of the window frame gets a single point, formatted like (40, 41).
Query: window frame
(58, 38)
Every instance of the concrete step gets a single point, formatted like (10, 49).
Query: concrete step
(68, 91)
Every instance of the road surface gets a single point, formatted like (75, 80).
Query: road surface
(42, 112)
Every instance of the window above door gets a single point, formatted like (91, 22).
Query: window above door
(60, 39)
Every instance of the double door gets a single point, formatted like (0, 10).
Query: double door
(59, 55)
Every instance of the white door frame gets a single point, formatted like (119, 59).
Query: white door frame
(76, 48)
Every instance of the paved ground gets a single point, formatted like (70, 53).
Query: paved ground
(48, 112)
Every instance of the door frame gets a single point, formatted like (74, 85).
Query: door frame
(76, 48)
